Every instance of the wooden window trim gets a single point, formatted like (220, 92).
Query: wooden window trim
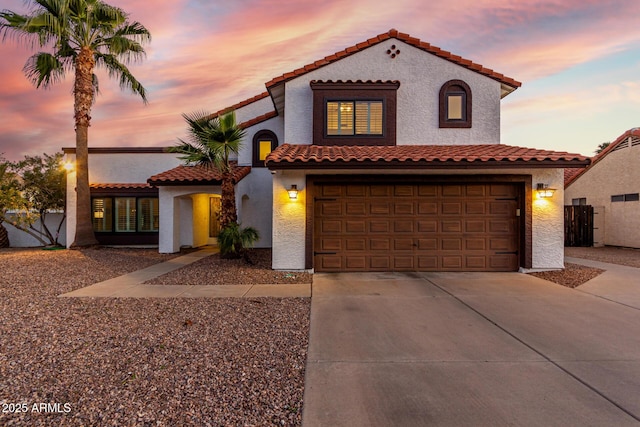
(324, 92)
(262, 135)
(448, 88)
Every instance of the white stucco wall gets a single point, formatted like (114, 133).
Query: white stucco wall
(289, 217)
(616, 173)
(20, 239)
(421, 76)
(113, 168)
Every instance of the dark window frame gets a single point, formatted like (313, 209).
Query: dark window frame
(580, 201)
(324, 92)
(455, 87)
(262, 135)
(113, 198)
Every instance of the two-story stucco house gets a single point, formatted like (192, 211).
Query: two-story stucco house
(385, 156)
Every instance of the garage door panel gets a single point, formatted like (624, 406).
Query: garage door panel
(476, 207)
(328, 226)
(479, 190)
(403, 262)
(380, 244)
(451, 226)
(452, 190)
(403, 244)
(451, 244)
(356, 208)
(427, 208)
(379, 226)
(427, 226)
(451, 262)
(428, 244)
(475, 262)
(380, 263)
(330, 245)
(451, 208)
(430, 227)
(403, 208)
(356, 244)
(380, 208)
(355, 226)
(403, 226)
(404, 190)
(475, 226)
(380, 191)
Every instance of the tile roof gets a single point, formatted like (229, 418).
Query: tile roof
(570, 173)
(240, 104)
(259, 119)
(402, 37)
(634, 132)
(118, 186)
(421, 156)
(196, 175)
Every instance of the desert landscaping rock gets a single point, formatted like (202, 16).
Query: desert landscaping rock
(213, 270)
(142, 362)
(573, 275)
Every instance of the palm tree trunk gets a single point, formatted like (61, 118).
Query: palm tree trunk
(83, 99)
(228, 212)
(4, 236)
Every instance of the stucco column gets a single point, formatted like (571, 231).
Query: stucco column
(289, 218)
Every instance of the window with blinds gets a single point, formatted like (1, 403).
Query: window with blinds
(148, 214)
(354, 117)
(101, 213)
(125, 214)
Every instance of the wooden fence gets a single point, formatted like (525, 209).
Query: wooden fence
(578, 226)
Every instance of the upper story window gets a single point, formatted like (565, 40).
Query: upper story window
(354, 117)
(264, 142)
(455, 105)
(354, 113)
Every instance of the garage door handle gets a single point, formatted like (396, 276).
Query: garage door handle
(507, 253)
(325, 253)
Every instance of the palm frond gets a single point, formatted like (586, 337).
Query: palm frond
(44, 69)
(117, 69)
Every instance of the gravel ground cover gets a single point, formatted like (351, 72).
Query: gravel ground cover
(573, 275)
(141, 362)
(611, 254)
(213, 270)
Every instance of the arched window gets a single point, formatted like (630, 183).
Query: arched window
(264, 142)
(455, 105)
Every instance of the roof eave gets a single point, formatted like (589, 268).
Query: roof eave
(423, 164)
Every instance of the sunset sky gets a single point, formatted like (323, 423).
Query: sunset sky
(578, 60)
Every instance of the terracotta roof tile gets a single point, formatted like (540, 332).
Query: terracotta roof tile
(106, 186)
(570, 173)
(413, 41)
(635, 132)
(196, 175)
(259, 119)
(427, 156)
(241, 104)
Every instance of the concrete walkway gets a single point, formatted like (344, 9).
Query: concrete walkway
(131, 285)
(481, 349)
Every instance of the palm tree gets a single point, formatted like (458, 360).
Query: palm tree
(212, 141)
(84, 34)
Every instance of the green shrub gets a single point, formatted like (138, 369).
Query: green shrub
(233, 241)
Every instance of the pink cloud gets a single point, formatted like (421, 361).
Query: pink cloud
(207, 55)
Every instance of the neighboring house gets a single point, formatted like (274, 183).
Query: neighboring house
(384, 156)
(611, 184)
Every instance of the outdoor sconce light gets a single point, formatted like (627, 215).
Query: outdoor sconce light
(544, 192)
(293, 192)
(68, 166)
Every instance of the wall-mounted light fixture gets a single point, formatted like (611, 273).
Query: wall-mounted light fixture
(544, 191)
(68, 166)
(293, 192)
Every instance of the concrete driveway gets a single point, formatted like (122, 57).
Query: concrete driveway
(477, 349)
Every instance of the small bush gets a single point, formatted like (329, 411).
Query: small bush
(233, 241)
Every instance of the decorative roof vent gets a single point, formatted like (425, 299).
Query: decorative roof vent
(393, 52)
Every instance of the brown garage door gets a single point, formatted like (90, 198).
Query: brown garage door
(416, 227)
